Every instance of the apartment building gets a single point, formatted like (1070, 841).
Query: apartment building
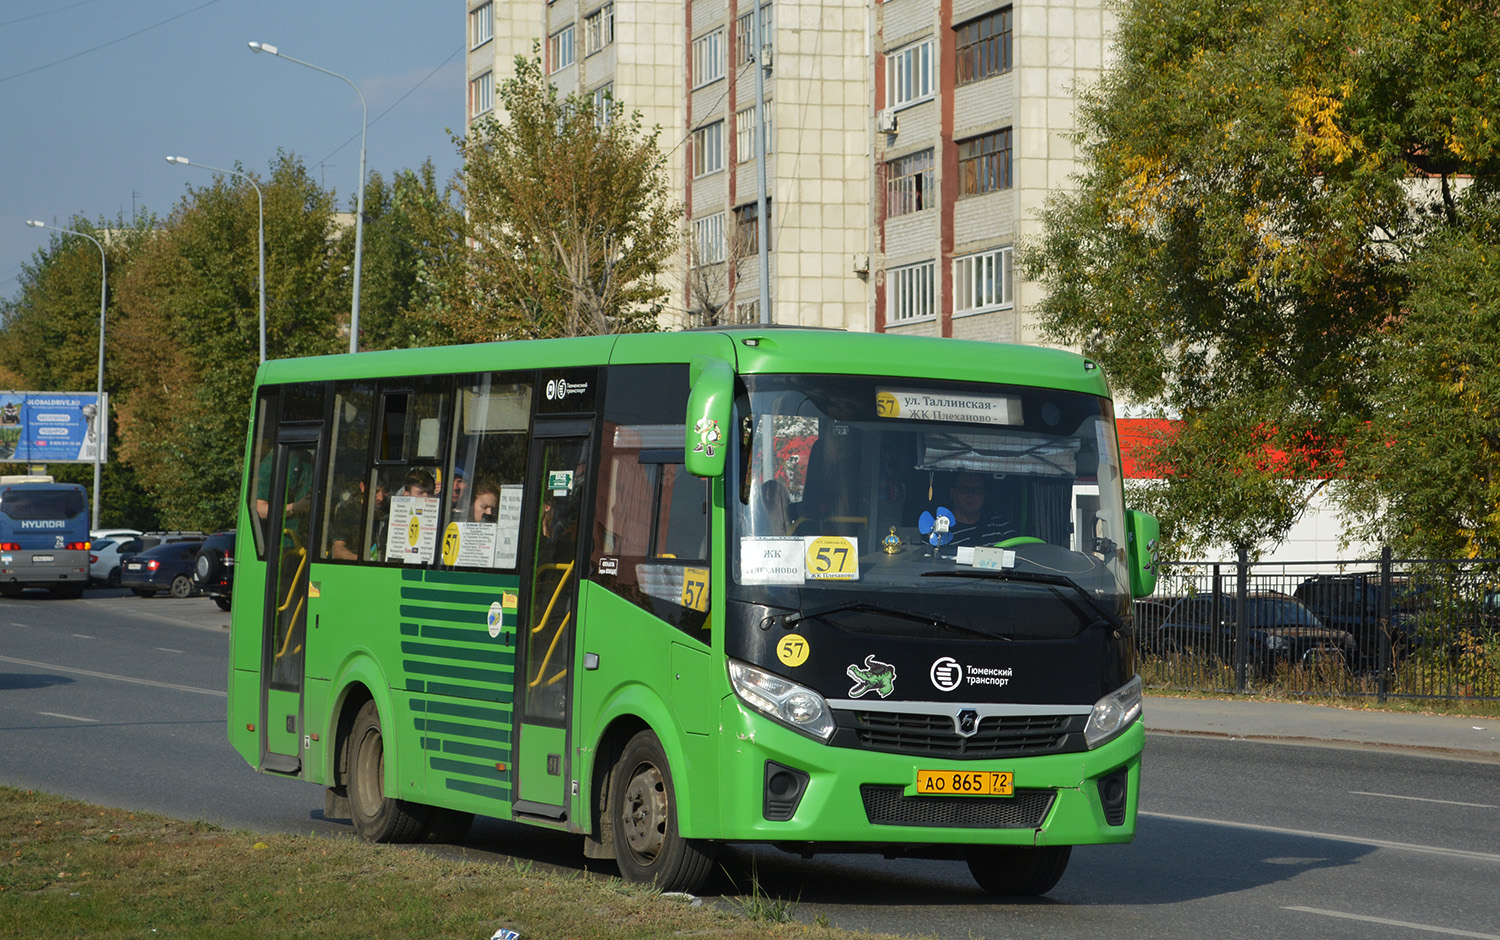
(910, 143)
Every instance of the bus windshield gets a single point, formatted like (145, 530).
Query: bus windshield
(926, 502)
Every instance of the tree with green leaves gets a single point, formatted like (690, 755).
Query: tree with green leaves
(569, 219)
(1266, 191)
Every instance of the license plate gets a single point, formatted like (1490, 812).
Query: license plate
(133, 566)
(41, 559)
(966, 783)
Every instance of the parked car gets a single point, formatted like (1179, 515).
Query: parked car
(1150, 612)
(104, 558)
(167, 567)
(119, 535)
(153, 539)
(213, 568)
(1352, 602)
(1278, 629)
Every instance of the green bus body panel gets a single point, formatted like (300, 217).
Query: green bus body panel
(537, 785)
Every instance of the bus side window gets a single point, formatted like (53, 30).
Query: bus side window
(260, 467)
(491, 421)
(345, 493)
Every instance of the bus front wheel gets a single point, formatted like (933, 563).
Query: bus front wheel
(648, 846)
(1018, 870)
(376, 817)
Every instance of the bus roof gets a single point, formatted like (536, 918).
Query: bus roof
(752, 349)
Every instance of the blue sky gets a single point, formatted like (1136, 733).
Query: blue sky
(94, 94)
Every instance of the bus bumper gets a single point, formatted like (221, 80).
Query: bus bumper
(865, 798)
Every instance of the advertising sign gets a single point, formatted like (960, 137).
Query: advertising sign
(53, 427)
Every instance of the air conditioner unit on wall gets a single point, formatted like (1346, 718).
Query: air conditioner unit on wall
(885, 121)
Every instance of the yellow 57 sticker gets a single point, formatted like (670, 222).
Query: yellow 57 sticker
(695, 588)
(792, 650)
(832, 558)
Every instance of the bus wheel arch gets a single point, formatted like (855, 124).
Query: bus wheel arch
(376, 816)
(643, 819)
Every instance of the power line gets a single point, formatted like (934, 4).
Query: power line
(106, 45)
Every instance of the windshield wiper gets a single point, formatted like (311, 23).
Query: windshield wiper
(1035, 577)
(897, 612)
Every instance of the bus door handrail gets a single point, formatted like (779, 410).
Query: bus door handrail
(291, 590)
(562, 582)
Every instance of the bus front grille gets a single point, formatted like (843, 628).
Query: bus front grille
(887, 805)
(927, 735)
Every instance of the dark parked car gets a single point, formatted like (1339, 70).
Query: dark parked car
(1278, 629)
(167, 567)
(213, 568)
(1352, 602)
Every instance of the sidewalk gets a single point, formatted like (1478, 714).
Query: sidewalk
(1292, 723)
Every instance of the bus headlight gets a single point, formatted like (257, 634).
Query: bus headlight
(1113, 713)
(793, 705)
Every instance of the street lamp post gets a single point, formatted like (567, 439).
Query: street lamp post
(101, 430)
(261, 201)
(359, 209)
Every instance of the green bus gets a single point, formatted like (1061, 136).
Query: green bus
(829, 591)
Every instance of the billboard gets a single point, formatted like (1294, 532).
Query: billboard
(52, 427)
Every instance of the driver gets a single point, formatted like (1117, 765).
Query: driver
(972, 524)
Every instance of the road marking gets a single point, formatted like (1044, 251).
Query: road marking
(166, 649)
(108, 675)
(1396, 923)
(69, 717)
(1425, 799)
(82, 636)
(1376, 843)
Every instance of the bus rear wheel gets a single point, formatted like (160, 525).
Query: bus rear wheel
(376, 817)
(1018, 870)
(643, 803)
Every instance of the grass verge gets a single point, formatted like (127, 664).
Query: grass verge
(71, 869)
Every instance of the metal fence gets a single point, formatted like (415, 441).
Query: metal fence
(1384, 628)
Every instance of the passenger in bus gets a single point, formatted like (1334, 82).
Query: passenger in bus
(299, 483)
(486, 503)
(458, 497)
(973, 523)
(418, 482)
(349, 519)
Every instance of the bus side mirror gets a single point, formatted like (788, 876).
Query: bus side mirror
(708, 414)
(1141, 534)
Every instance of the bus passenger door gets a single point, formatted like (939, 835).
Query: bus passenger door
(558, 475)
(288, 518)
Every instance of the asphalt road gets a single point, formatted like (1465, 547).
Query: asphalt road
(119, 700)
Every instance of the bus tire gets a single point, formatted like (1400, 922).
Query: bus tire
(643, 816)
(182, 586)
(446, 826)
(377, 817)
(1018, 870)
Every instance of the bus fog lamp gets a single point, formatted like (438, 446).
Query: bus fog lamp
(1113, 713)
(793, 705)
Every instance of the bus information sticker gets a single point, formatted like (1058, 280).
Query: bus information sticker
(412, 537)
(772, 560)
(793, 650)
(928, 405)
(832, 558)
(508, 525)
(695, 588)
(560, 482)
(472, 544)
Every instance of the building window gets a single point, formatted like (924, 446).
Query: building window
(481, 94)
(560, 52)
(604, 103)
(744, 133)
(481, 25)
(908, 184)
(982, 282)
(708, 149)
(747, 229)
(708, 239)
(743, 48)
(909, 292)
(599, 29)
(908, 74)
(984, 47)
(708, 58)
(984, 164)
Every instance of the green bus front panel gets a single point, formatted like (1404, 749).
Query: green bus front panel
(1063, 789)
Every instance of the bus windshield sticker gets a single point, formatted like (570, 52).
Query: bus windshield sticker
(832, 558)
(508, 533)
(873, 676)
(560, 482)
(695, 588)
(412, 537)
(982, 556)
(773, 560)
(470, 544)
(917, 405)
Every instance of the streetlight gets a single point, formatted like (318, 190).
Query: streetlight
(101, 429)
(359, 209)
(260, 199)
